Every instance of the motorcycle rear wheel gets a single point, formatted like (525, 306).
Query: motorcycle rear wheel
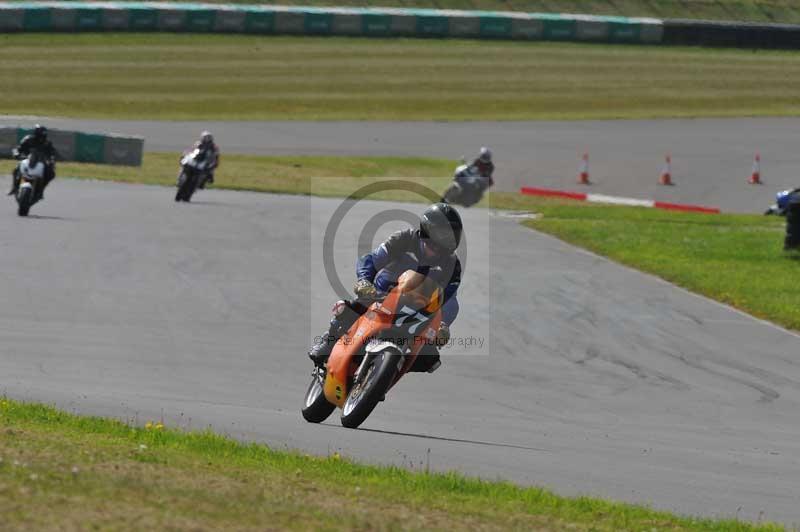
(317, 408)
(366, 395)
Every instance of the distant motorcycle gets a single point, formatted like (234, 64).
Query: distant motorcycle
(782, 200)
(31, 171)
(467, 187)
(195, 167)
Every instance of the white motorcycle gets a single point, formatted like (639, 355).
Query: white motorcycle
(467, 187)
(195, 168)
(31, 172)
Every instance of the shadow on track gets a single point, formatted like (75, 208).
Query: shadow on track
(444, 438)
(211, 203)
(44, 217)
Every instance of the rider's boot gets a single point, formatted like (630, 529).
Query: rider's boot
(344, 317)
(322, 348)
(39, 192)
(428, 360)
(14, 184)
(49, 176)
(207, 180)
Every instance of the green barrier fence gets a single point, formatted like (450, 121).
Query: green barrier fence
(227, 18)
(80, 146)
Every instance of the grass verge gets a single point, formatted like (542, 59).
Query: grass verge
(90, 472)
(735, 259)
(321, 176)
(160, 76)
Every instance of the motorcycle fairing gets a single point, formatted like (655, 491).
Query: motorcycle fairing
(380, 317)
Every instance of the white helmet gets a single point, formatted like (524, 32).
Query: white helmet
(486, 155)
(206, 137)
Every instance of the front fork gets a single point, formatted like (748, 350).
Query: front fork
(362, 368)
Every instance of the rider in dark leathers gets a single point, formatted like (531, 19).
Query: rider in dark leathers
(430, 250)
(485, 166)
(207, 145)
(792, 240)
(474, 179)
(36, 141)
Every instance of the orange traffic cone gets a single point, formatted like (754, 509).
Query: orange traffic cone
(755, 177)
(666, 172)
(583, 171)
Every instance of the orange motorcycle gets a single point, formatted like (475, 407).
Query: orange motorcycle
(378, 349)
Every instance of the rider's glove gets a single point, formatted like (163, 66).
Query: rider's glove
(365, 289)
(443, 336)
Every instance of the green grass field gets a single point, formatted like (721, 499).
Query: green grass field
(750, 10)
(63, 472)
(321, 176)
(170, 76)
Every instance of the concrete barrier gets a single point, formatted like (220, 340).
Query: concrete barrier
(79, 146)
(68, 16)
(736, 34)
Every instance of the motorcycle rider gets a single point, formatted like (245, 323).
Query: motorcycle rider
(36, 141)
(429, 250)
(485, 166)
(210, 149)
(783, 199)
(792, 239)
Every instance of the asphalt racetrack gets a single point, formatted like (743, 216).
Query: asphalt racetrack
(592, 378)
(711, 158)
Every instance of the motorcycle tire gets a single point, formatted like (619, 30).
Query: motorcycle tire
(364, 397)
(181, 183)
(24, 199)
(186, 187)
(452, 194)
(317, 408)
(471, 195)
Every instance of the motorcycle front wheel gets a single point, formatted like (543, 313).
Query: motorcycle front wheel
(369, 391)
(453, 193)
(317, 408)
(24, 199)
(186, 185)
